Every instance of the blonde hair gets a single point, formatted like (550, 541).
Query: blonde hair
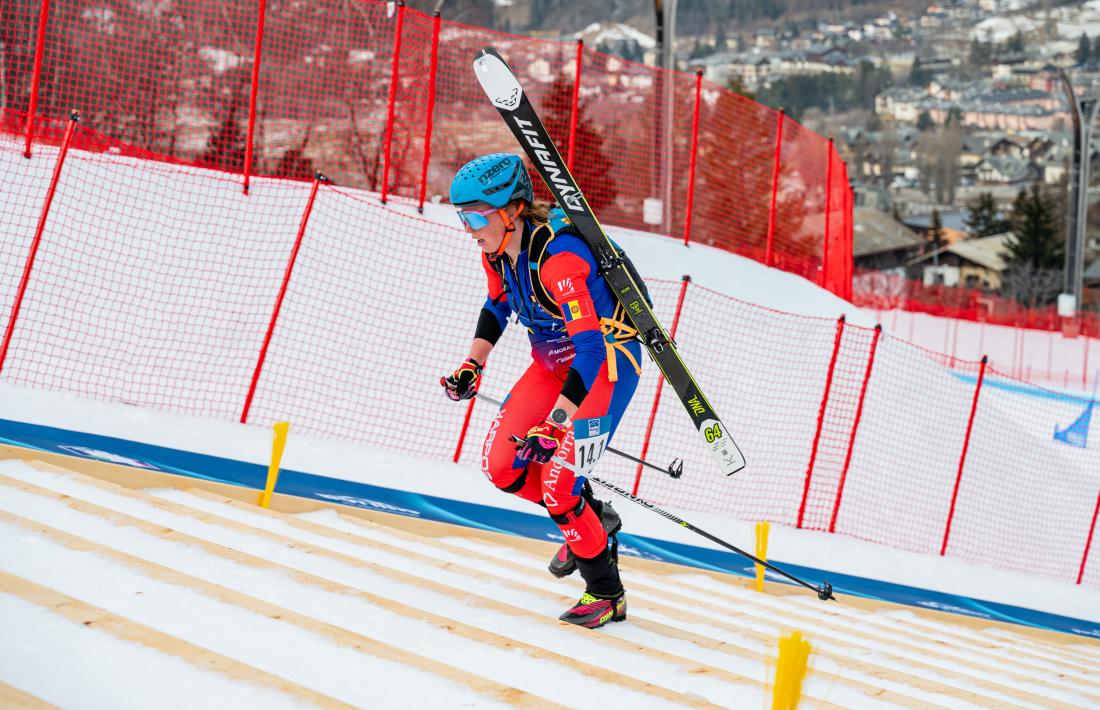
(537, 211)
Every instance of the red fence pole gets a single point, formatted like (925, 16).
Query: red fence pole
(436, 22)
(962, 457)
(1088, 541)
(821, 417)
(29, 265)
(1085, 367)
(855, 426)
(685, 280)
(39, 49)
(769, 253)
(694, 152)
(282, 294)
(575, 109)
(849, 247)
(252, 95)
(395, 75)
(465, 427)
(828, 214)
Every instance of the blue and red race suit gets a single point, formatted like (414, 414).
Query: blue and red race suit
(585, 352)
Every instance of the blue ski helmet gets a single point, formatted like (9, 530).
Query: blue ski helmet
(495, 179)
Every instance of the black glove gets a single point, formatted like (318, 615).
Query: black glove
(463, 382)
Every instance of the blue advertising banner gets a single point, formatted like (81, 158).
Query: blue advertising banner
(398, 502)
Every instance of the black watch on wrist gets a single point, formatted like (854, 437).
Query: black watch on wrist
(559, 417)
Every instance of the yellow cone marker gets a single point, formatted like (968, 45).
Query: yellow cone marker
(761, 552)
(277, 446)
(790, 671)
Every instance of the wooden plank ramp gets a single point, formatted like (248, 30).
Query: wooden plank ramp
(436, 610)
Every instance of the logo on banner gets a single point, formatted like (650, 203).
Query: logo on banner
(85, 452)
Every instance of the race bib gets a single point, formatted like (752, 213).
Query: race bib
(589, 441)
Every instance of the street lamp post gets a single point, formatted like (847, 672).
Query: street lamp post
(666, 51)
(1083, 111)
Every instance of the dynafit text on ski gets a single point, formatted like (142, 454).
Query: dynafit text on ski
(506, 94)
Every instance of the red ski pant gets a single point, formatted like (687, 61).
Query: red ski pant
(528, 404)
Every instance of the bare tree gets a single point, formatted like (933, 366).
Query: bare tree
(948, 150)
(1030, 285)
(938, 161)
(926, 161)
(888, 146)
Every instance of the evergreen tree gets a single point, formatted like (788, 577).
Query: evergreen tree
(719, 36)
(982, 218)
(1035, 231)
(737, 85)
(722, 215)
(590, 166)
(918, 76)
(1096, 48)
(295, 164)
(869, 83)
(226, 145)
(1016, 45)
(799, 92)
(925, 122)
(981, 53)
(1084, 51)
(699, 50)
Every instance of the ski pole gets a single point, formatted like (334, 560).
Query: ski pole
(824, 590)
(675, 469)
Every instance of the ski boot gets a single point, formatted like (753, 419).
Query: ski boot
(593, 611)
(564, 562)
(604, 599)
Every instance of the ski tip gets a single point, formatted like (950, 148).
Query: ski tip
(490, 52)
(497, 80)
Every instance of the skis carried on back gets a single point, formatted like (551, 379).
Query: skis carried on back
(504, 91)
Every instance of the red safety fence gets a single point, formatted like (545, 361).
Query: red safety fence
(162, 284)
(1030, 343)
(886, 291)
(379, 96)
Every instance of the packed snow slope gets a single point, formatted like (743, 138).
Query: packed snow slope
(188, 598)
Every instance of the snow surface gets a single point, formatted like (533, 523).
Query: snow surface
(616, 32)
(99, 667)
(1040, 356)
(464, 482)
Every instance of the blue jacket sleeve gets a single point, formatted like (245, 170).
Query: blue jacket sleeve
(501, 310)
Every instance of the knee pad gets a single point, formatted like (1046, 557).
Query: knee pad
(582, 529)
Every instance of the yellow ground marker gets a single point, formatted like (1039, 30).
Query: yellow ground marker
(790, 671)
(761, 552)
(277, 446)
